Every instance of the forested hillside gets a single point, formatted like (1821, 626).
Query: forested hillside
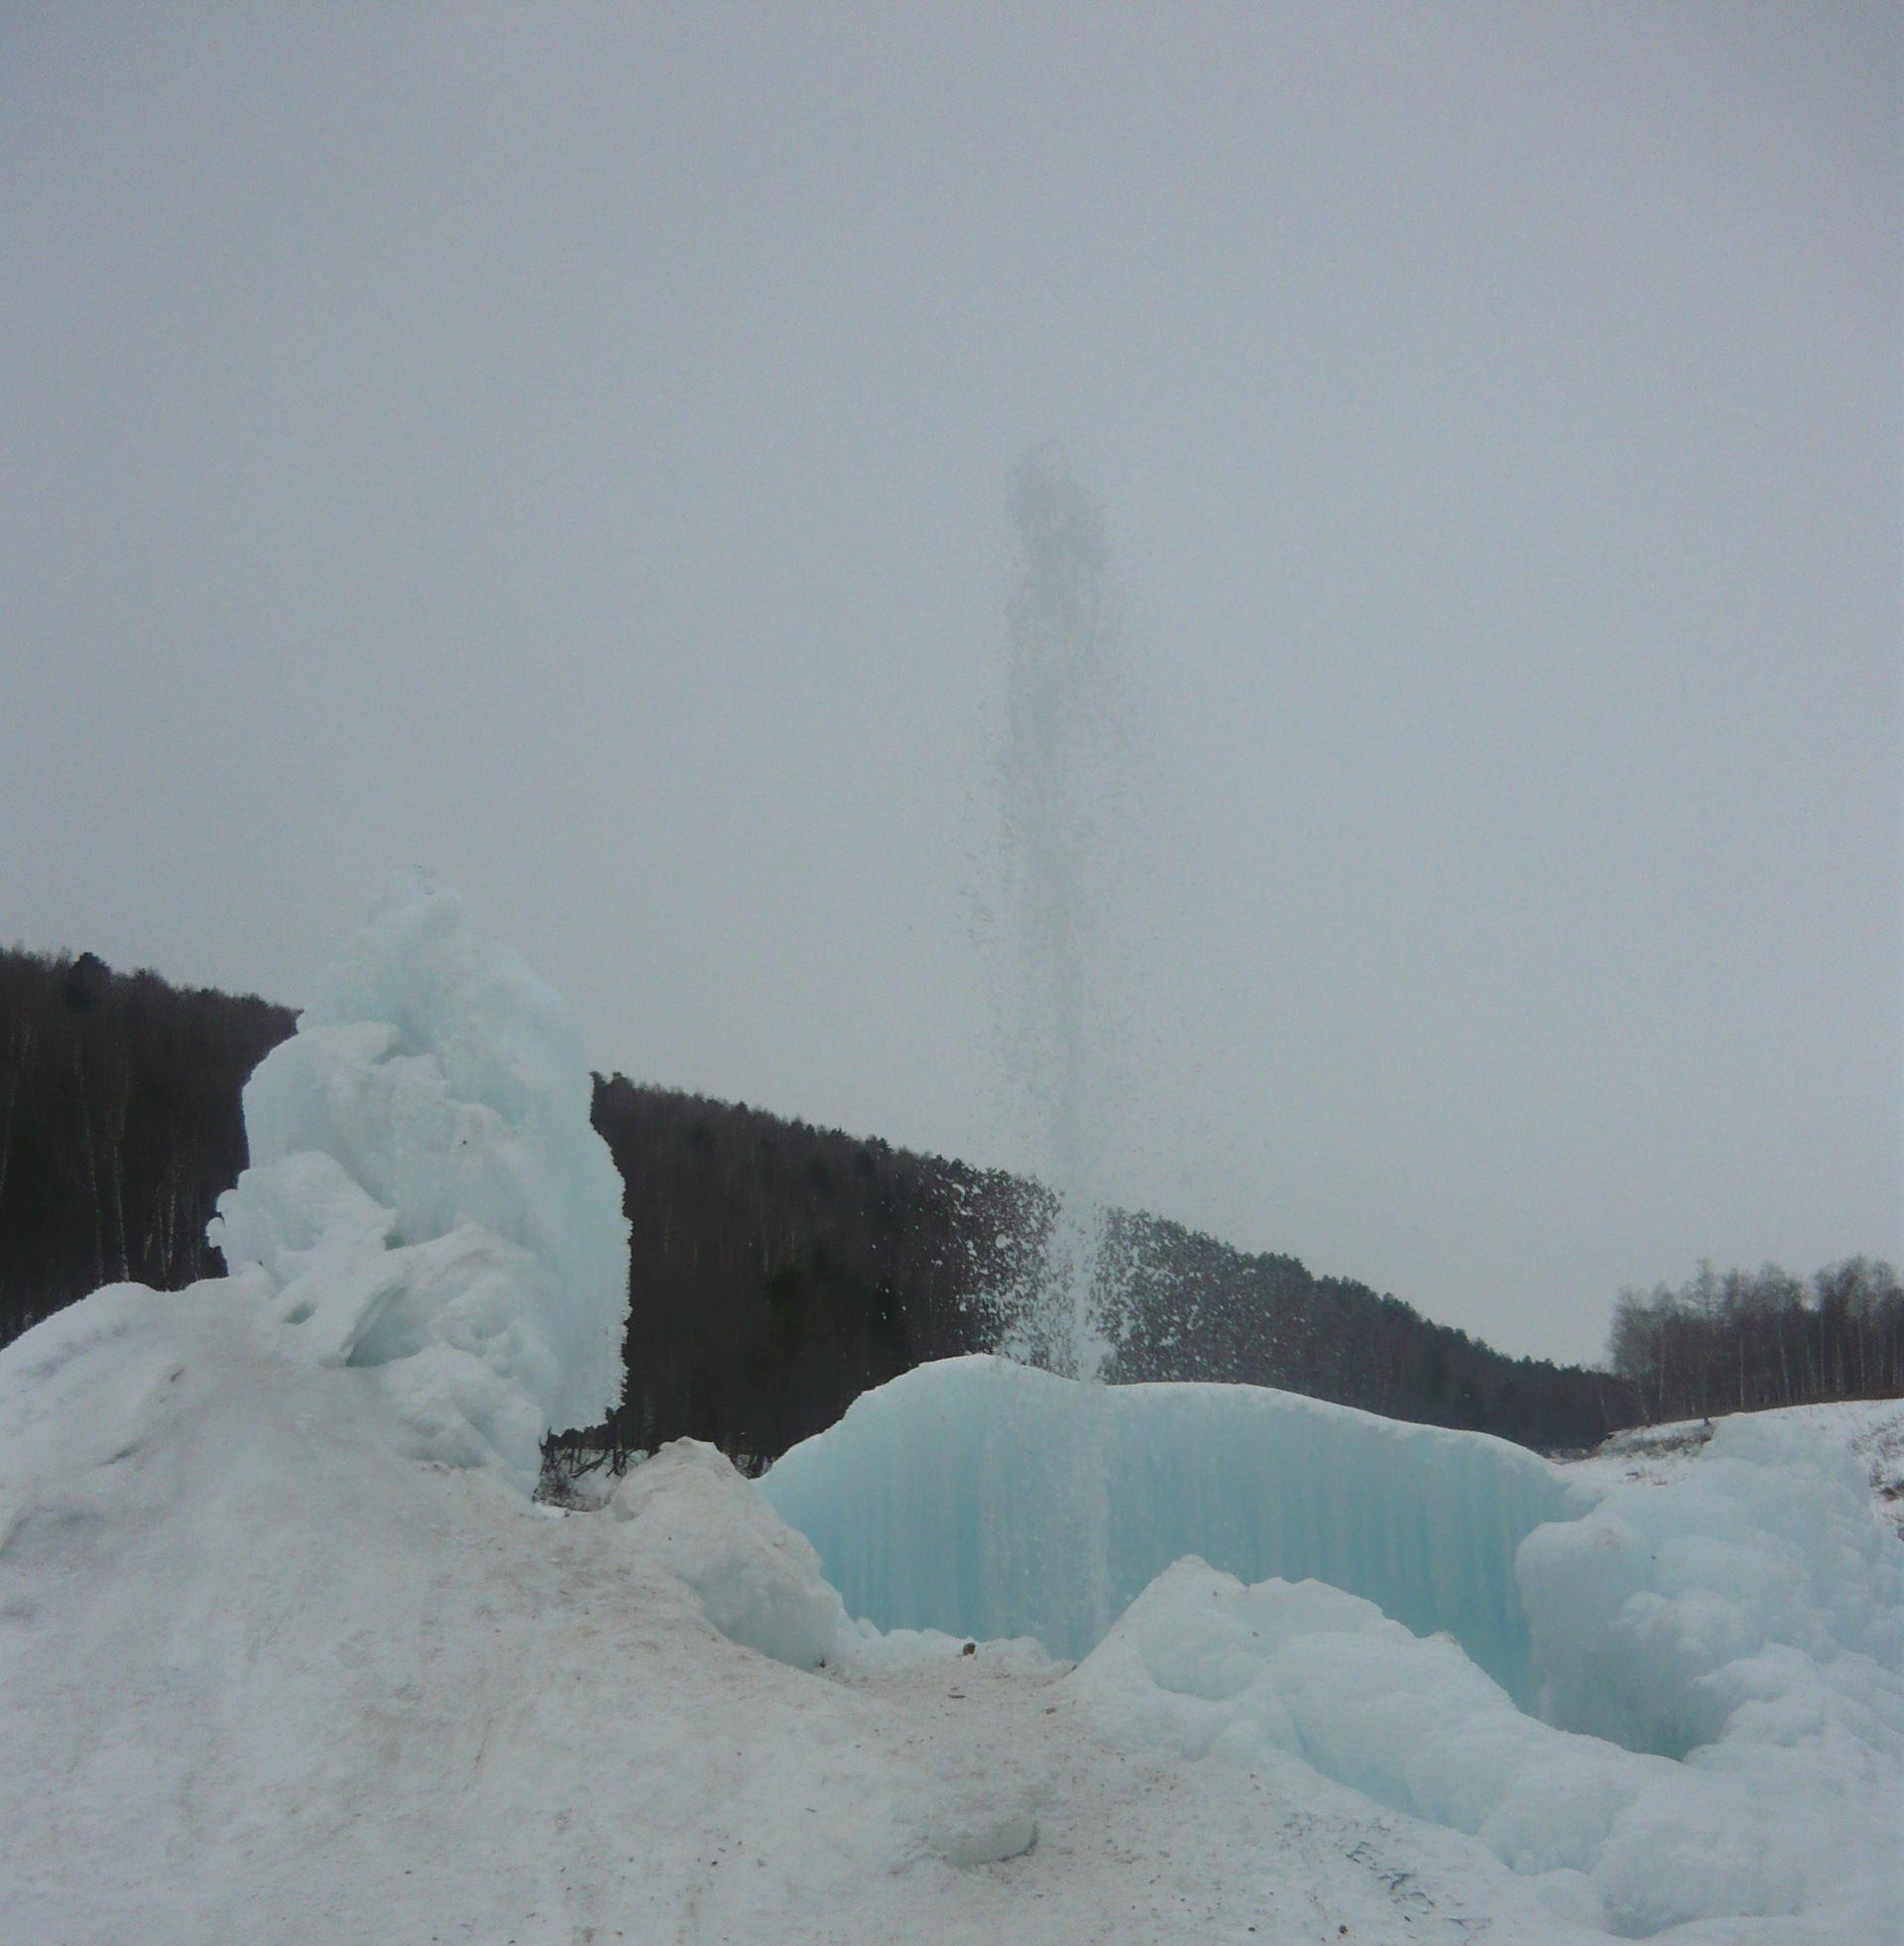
(119, 1125)
(777, 1269)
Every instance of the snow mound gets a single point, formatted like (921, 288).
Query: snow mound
(757, 1580)
(980, 1832)
(1758, 1596)
(985, 1499)
(262, 1676)
(426, 1193)
(1746, 1619)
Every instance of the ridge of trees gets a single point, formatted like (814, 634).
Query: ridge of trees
(1744, 1340)
(778, 1270)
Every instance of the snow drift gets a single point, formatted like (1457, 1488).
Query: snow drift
(426, 1193)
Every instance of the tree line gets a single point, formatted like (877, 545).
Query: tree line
(1740, 1340)
(777, 1270)
(1201, 1309)
(119, 1127)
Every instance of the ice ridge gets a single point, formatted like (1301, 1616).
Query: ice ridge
(982, 1497)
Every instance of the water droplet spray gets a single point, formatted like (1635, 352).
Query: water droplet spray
(1060, 780)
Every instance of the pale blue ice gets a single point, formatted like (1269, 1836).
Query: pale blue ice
(983, 1497)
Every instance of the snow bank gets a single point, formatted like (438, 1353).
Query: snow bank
(426, 1193)
(985, 1499)
(1747, 1597)
(757, 1580)
(1747, 1619)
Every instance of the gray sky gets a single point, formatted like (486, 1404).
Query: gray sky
(569, 449)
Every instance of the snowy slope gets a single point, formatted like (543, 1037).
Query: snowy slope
(264, 1676)
(1869, 1430)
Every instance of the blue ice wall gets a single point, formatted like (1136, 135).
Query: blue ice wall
(985, 1499)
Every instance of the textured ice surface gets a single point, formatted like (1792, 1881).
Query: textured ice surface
(1749, 1597)
(1746, 1617)
(427, 1192)
(979, 1497)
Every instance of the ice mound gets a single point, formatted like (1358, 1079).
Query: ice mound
(426, 1193)
(985, 1499)
(1751, 1598)
(1747, 1619)
(1719, 1663)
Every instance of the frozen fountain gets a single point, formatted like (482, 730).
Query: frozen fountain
(426, 1196)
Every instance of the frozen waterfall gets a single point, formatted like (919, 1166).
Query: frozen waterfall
(981, 1497)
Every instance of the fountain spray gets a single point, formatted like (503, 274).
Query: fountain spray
(1060, 771)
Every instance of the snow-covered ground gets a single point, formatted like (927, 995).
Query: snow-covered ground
(267, 1677)
(264, 1676)
(1869, 1430)
(288, 1654)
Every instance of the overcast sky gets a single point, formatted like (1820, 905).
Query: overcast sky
(569, 449)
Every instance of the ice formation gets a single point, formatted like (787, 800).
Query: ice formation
(1718, 1663)
(426, 1193)
(760, 1582)
(980, 1496)
(1745, 1620)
